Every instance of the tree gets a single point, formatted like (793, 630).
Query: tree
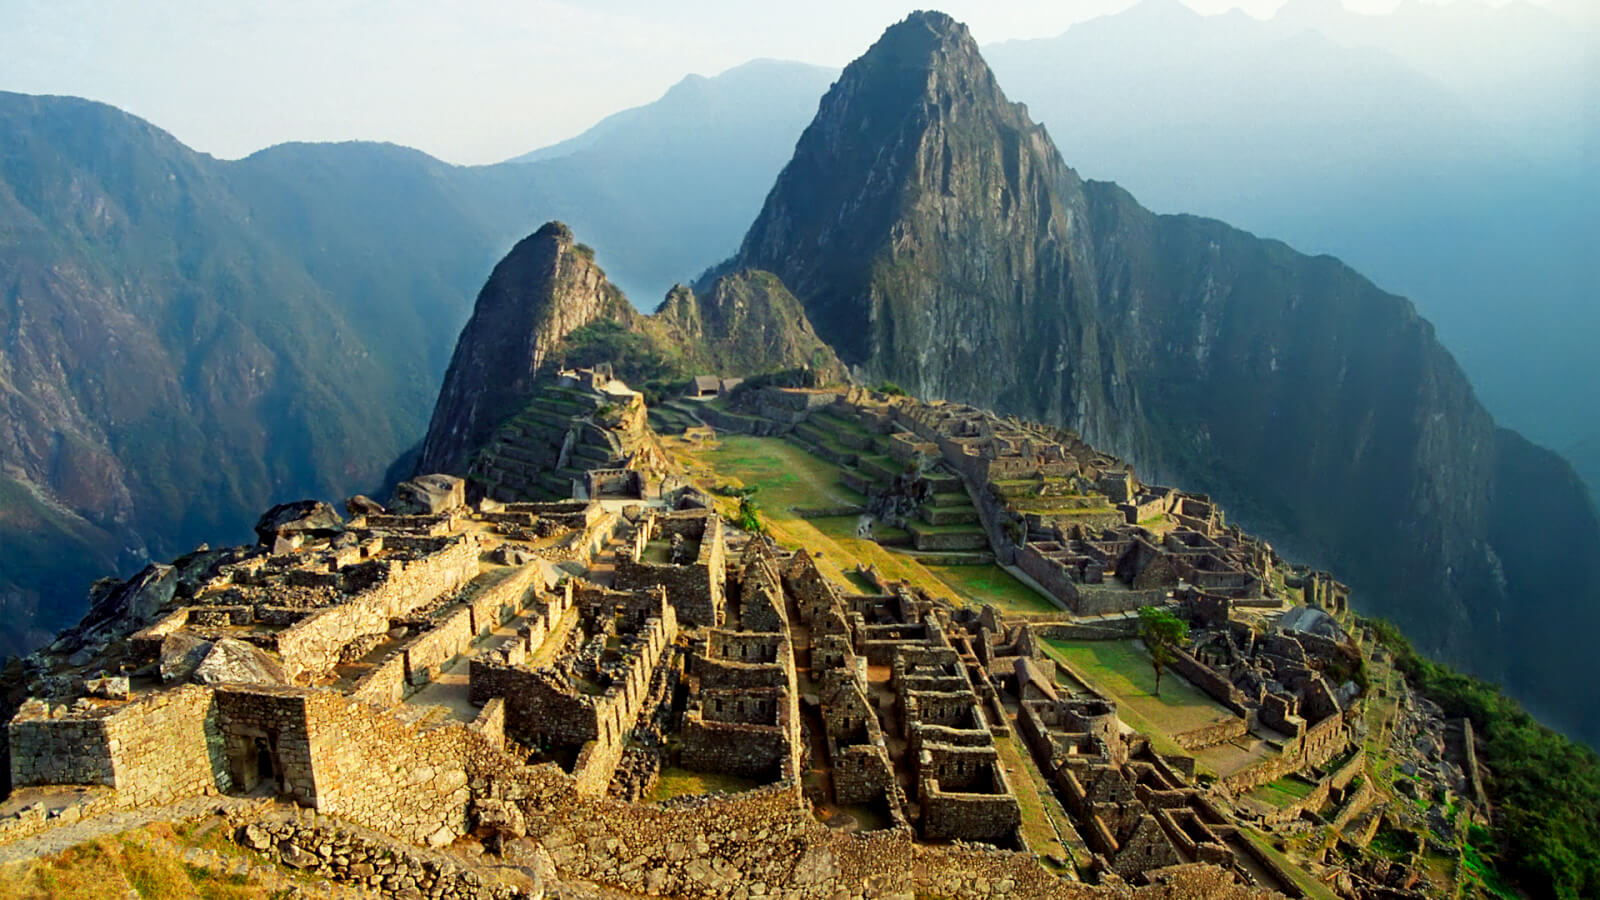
(750, 515)
(1162, 631)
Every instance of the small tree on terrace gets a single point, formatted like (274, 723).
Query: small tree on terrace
(1162, 631)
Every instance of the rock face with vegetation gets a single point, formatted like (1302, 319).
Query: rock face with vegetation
(548, 306)
(746, 323)
(937, 239)
(185, 340)
(546, 288)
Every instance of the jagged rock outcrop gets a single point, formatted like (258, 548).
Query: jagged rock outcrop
(232, 661)
(547, 287)
(936, 238)
(548, 306)
(295, 521)
(746, 322)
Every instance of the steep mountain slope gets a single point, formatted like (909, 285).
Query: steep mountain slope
(184, 341)
(547, 287)
(936, 238)
(548, 305)
(747, 323)
(1437, 149)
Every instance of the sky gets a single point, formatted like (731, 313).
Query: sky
(469, 81)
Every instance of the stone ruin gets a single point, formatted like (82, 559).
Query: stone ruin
(437, 670)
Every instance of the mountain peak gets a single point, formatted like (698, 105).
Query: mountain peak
(547, 287)
(917, 127)
(923, 41)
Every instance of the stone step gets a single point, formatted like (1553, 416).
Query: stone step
(944, 537)
(948, 515)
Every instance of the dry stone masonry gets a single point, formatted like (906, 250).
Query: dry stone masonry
(525, 678)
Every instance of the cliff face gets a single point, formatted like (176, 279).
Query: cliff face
(547, 287)
(936, 238)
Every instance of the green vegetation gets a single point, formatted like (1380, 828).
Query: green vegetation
(890, 388)
(676, 782)
(639, 360)
(1162, 631)
(1121, 671)
(147, 863)
(1284, 791)
(1546, 788)
(785, 474)
(992, 584)
(750, 515)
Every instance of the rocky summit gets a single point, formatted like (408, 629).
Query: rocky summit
(936, 239)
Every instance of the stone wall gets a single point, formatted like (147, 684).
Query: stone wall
(1209, 680)
(356, 856)
(491, 722)
(1051, 574)
(254, 720)
(311, 646)
(696, 588)
(59, 751)
(1320, 743)
(1213, 734)
(157, 749)
(167, 747)
(407, 782)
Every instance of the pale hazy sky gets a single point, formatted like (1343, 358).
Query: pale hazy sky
(469, 81)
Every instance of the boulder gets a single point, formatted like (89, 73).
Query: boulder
(293, 522)
(110, 687)
(512, 555)
(233, 661)
(181, 654)
(362, 505)
(429, 495)
(503, 816)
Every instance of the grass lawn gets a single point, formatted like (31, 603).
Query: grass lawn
(1283, 792)
(148, 862)
(785, 474)
(1122, 670)
(1044, 821)
(992, 584)
(845, 527)
(681, 782)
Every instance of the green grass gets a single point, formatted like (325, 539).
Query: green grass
(845, 527)
(1311, 886)
(917, 526)
(784, 474)
(676, 782)
(145, 863)
(1123, 671)
(992, 584)
(1283, 792)
(1038, 806)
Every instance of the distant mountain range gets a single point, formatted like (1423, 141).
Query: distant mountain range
(184, 340)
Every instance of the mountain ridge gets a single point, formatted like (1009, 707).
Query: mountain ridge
(1309, 401)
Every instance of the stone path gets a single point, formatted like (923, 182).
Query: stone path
(61, 837)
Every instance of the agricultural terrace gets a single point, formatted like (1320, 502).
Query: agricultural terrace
(1121, 670)
(787, 477)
